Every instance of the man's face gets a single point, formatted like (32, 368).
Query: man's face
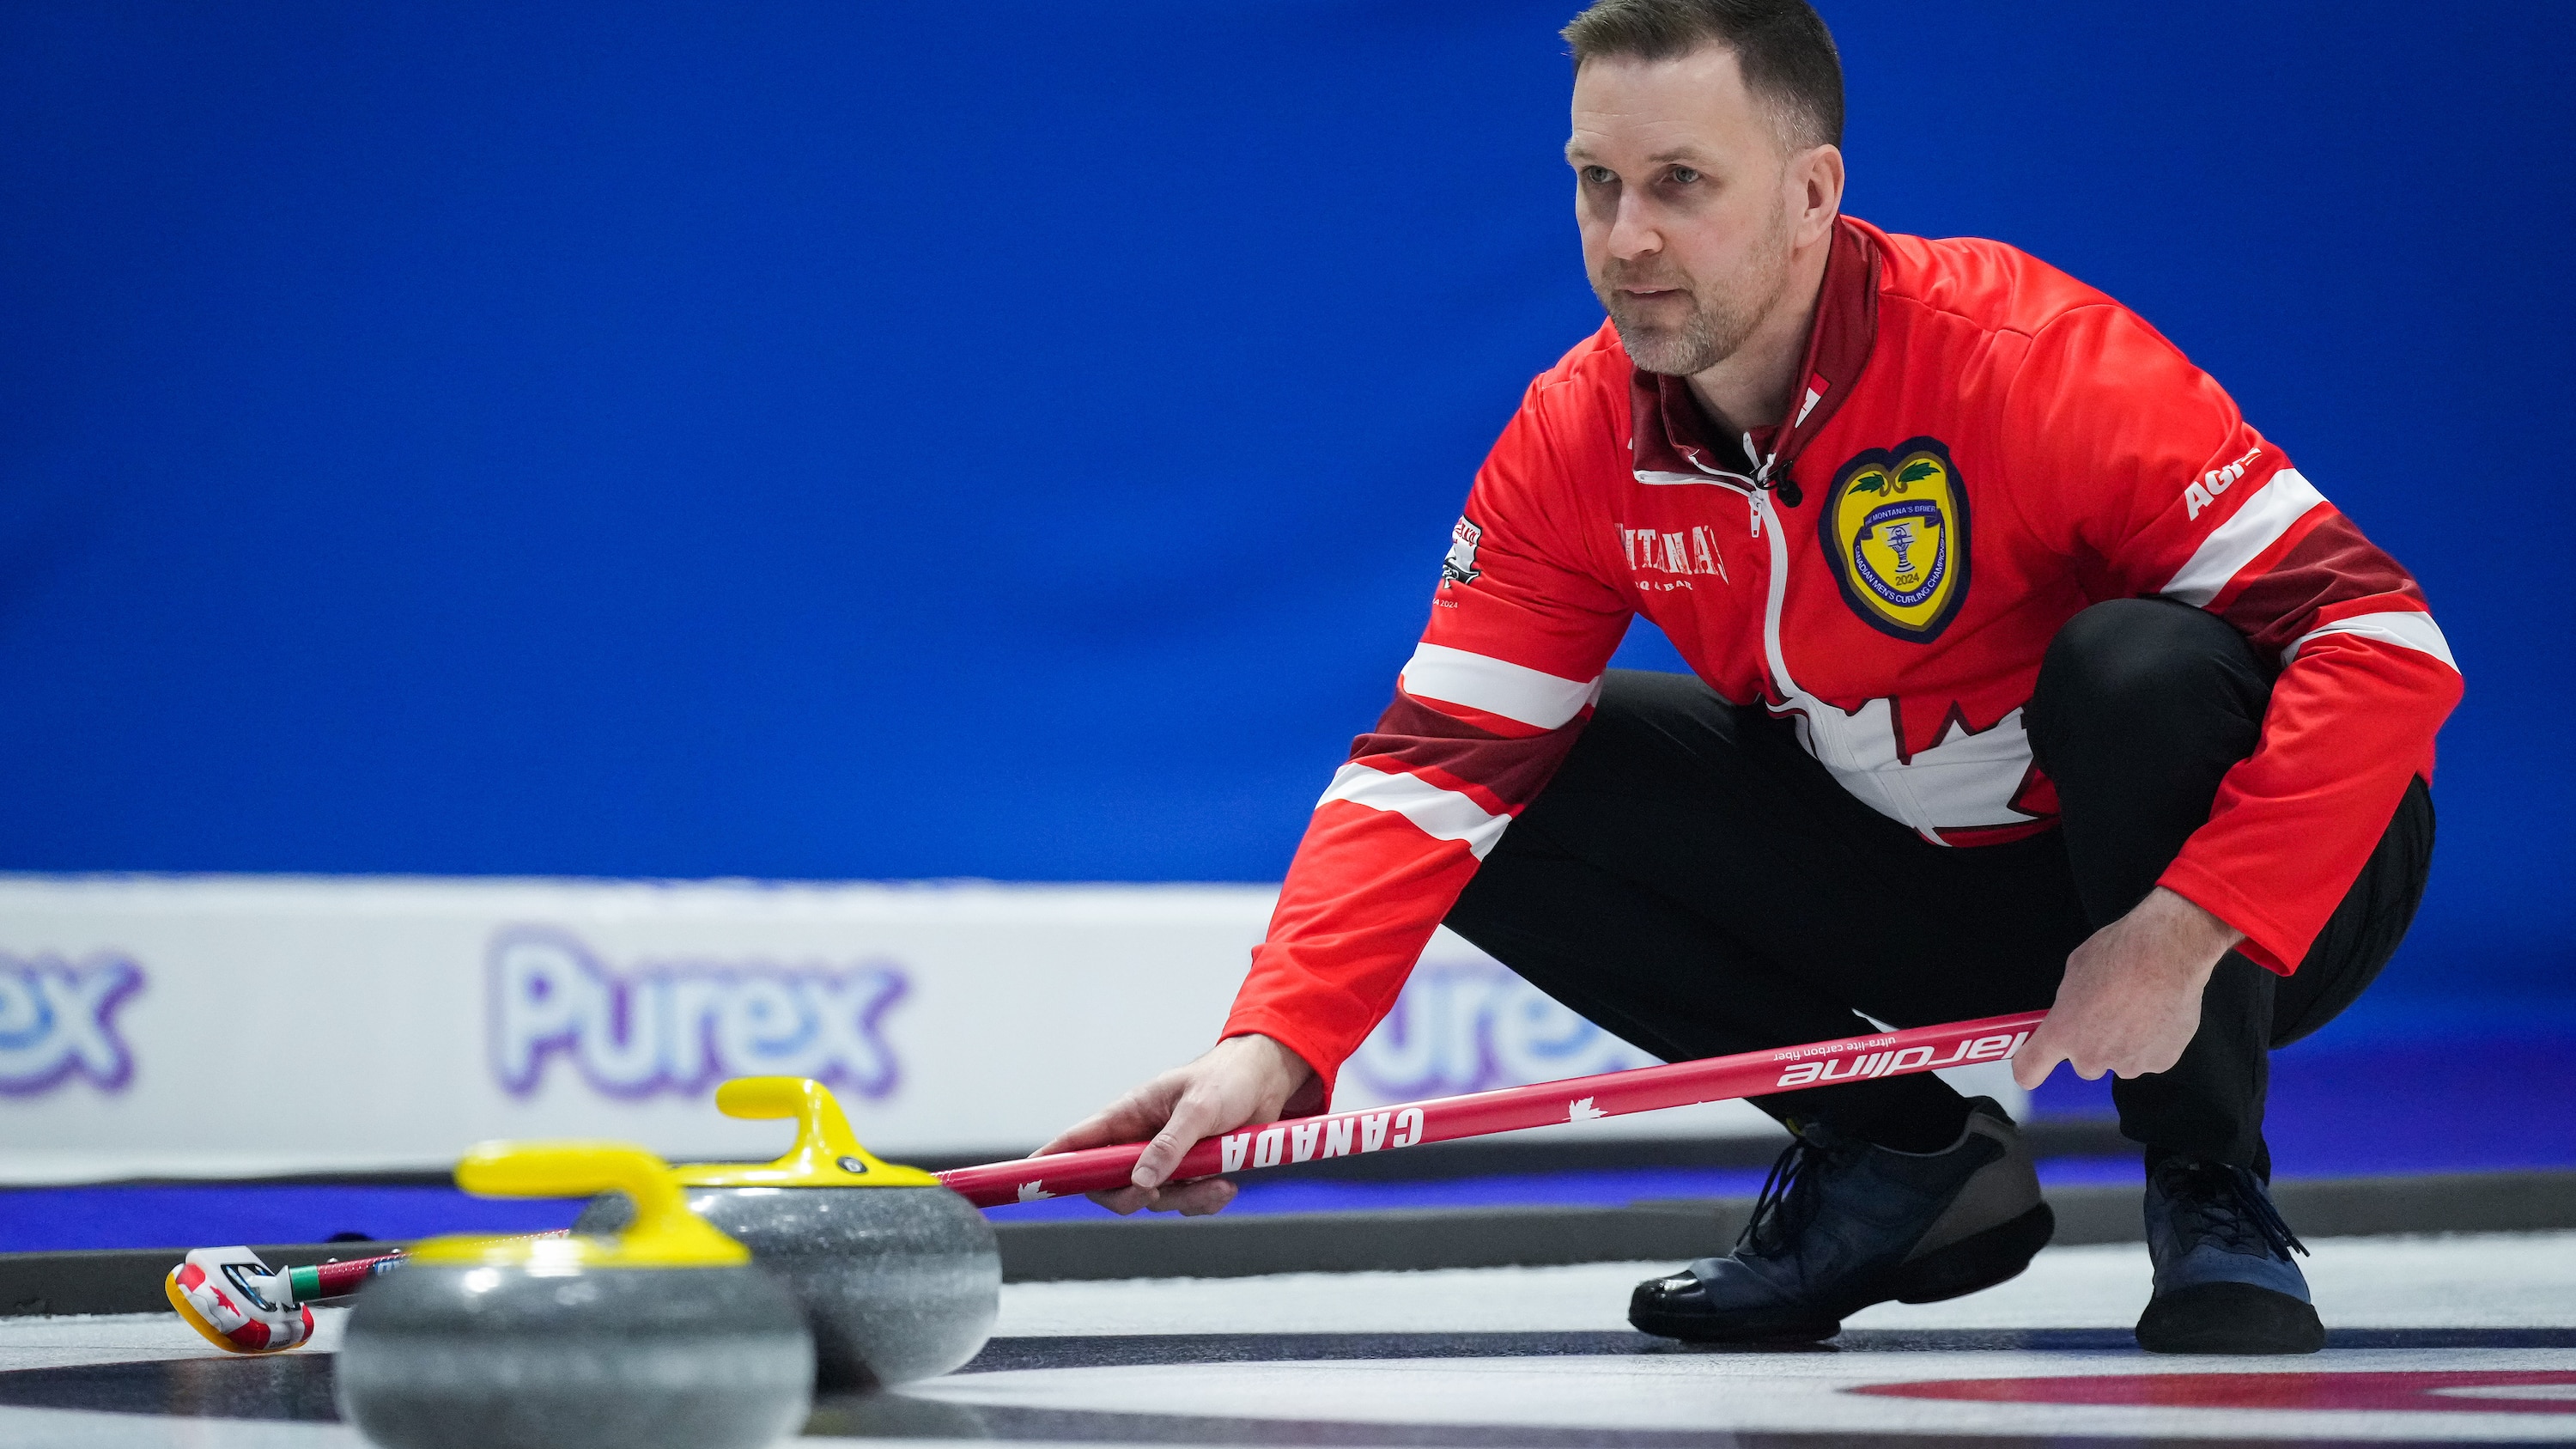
(1683, 192)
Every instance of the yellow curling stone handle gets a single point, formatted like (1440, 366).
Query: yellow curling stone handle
(825, 1153)
(664, 1233)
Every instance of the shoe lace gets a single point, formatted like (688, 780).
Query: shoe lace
(1782, 1207)
(2232, 1204)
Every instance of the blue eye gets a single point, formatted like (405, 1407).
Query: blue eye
(1599, 175)
(1685, 175)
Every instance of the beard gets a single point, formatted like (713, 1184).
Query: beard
(1724, 311)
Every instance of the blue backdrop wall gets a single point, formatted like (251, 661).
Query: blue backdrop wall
(1017, 440)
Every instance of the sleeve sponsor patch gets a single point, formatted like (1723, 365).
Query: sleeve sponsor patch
(1460, 566)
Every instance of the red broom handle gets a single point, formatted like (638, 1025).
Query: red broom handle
(1510, 1109)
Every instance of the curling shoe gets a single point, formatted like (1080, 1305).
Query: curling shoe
(1842, 1224)
(2224, 1279)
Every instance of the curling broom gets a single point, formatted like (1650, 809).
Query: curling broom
(1322, 1138)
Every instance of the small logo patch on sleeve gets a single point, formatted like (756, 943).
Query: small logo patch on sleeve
(1460, 566)
(1895, 525)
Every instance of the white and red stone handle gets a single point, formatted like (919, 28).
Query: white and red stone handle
(1510, 1109)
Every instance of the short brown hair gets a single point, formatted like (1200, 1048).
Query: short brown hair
(1782, 46)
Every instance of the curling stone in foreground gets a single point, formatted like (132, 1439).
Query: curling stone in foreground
(899, 1277)
(660, 1337)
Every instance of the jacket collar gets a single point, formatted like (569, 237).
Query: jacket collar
(1670, 433)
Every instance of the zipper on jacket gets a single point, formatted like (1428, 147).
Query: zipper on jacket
(1761, 486)
(1776, 600)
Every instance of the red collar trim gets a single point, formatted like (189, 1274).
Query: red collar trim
(1671, 435)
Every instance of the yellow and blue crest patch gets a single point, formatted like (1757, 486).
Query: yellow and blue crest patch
(1895, 524)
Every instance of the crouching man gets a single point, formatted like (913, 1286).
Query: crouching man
(2025, 673)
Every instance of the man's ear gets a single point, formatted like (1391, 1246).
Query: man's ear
(1820, 178)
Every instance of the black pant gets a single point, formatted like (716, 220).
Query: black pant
(1695, 882)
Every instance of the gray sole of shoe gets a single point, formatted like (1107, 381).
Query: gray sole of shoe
(2230, 1318)
(1703, 1330)
(1977, 1262)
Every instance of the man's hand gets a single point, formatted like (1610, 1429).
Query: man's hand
(1241, 1079)
(2130, 1001)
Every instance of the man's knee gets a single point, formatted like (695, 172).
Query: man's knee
(2145, 668)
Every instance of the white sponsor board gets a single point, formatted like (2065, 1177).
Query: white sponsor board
(179, 1026)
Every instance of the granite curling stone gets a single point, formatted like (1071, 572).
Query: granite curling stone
(663, 1336)
(899, 1277)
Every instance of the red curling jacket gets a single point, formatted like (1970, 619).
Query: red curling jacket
(1983, 447)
